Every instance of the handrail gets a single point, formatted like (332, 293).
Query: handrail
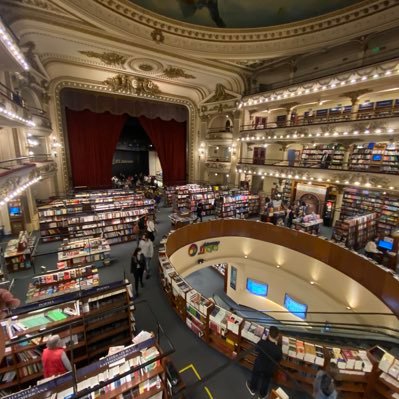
(218, 159)
(310, 77)
(379, 281)
(313, 165)
(383, 113)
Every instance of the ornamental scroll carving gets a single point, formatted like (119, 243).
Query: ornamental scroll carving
(108, 58)
(132, 85)
(173, 72)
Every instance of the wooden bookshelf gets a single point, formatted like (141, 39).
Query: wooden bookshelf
(88, 321)
(83, 251)
(18, 253)
(107, 214)
(232, 335)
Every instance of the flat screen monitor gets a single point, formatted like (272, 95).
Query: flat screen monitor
(15, 211)
(377, 157)
(385, 244)
(295, 307)
(257, 287)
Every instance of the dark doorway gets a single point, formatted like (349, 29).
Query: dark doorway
(132, 150)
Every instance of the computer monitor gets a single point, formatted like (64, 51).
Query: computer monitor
(257, 287)
(377, 157)
(385, 244)
(15, 211)
(297, 308)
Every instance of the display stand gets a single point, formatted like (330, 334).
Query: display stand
(88, 321)
(18, 253)
(83, 251)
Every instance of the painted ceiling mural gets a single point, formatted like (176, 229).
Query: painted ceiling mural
(242, 13)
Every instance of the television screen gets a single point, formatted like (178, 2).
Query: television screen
(15, 211)
(385, 245)
(256, 287)
(295, 307)
(377, 157)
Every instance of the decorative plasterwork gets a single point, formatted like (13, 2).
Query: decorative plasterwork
(58, 85)
(221, 94)
(174, 72)
(131, 84)
(221, 167)
(108, 58)
(13, 182)
(146, 65)
(312, 26)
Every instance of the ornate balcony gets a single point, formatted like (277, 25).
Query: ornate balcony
(12, 111)
(218, 165)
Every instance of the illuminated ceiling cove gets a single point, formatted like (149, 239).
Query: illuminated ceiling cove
(242, 14)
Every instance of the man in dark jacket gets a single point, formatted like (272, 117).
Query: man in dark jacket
(269, 355)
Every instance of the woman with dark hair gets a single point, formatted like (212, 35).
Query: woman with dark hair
(137, 266)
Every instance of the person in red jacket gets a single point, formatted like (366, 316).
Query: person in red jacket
(54, 358)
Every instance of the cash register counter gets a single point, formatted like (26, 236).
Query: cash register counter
(362, 273)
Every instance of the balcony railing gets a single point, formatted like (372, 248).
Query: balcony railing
(17, 104)
(347, 67)
(218, 159)
(312, 164)
(329, 118)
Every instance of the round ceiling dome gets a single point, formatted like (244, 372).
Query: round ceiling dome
(236, 14)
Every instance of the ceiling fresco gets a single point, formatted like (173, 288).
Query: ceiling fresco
(242, 13)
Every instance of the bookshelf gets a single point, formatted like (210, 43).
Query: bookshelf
(18, 252)
(57, 283)
(170, 192)
(204, 195)
(356, 231)
(311, 155)
(127, 371)
(83, 251)
(88, 321)
(231, 335)
(225, 207)
(107, 214)
(375, 157)
(386, 206)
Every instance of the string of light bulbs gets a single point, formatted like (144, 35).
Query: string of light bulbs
(12, 47)
(19, 190)
(347, 134)
(314, 179)
(12, 115)
(315, 87)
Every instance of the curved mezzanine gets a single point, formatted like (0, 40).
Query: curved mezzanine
(255, 249)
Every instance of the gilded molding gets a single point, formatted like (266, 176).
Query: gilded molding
(61, 83)
(310, 26)
(108, 58)
(174, 72)
(220, 95)
(132, 85)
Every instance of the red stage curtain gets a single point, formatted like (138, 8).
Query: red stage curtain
(169, 140)
(92, 142)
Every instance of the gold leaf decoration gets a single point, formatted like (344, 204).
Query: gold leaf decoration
(220, 94)
(132, 85)
(107, 58)
(173, 72)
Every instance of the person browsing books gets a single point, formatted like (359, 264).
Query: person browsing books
(54, 359)
(147, 247)
(266, 362)
(137, 266)
(199, 211)
(323, 386)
